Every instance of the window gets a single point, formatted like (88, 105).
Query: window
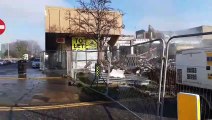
(209, 59)
(179, 75)
(191, 76)
(37, 60)
(210, 76)
(191, 73)
(208, 67)
(191, 70)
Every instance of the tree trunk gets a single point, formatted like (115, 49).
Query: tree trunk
(100, 52)
(101, 55)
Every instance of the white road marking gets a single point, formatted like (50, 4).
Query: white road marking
(2, 27)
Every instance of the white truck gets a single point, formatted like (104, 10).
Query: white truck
(194, 75)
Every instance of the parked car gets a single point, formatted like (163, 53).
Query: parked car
(36, 63)
(14, 61)
(2, 62)
(8, 62)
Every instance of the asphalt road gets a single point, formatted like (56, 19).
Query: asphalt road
(36, 91)
(11, 70)
(8, 70)
(50, 92)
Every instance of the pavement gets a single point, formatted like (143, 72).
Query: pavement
(51, 99)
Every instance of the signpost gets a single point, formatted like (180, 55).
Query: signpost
(2, 27)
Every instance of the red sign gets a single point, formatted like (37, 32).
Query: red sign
(60, 40)
(2, 27)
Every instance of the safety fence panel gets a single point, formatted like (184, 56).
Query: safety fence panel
(129, 80)
(53, 63)
(138, 91)
(188, 70)
(84, 59)
(83, 62)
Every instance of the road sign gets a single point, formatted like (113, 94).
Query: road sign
(81, 43)
(2, 26)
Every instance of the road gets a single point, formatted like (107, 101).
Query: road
(75, 104)
(11, 70)
(36, 91)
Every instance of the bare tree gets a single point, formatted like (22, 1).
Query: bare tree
(96, 20)
(34, 48)
(21, 48)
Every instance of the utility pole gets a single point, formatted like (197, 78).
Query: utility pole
(8, 49)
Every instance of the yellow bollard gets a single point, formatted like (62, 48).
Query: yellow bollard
(188, 106)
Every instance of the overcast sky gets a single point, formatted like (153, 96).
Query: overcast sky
(25, 19)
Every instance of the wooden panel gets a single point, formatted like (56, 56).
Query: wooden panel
(57, 21)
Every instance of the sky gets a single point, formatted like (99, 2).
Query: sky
(25, 19)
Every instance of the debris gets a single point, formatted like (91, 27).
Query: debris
(117, 73)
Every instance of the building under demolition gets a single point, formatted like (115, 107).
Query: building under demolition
(182, 43)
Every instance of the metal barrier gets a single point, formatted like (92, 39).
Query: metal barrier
(82, 62)
(134, 89)
(54, 62)
(192, 71)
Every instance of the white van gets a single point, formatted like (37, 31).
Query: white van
(36, 63)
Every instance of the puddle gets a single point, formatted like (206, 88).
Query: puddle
(2, 93)
(9, 84)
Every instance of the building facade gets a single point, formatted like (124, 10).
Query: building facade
(66, 43)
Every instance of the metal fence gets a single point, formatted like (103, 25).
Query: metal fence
(129, 82)
(54, 63)
(148, 89)
(189, 70)
(143, 94)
